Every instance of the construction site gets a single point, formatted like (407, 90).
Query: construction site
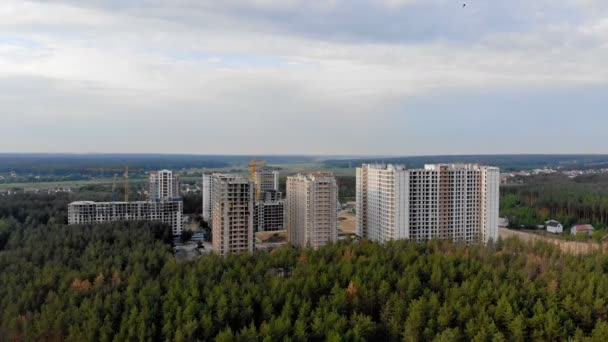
(161, 208)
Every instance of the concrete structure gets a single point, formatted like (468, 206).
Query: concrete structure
(269, 213)
(311, 209)
(232, 210)
(446, 201)
(88, 212)
(164, 185)
(582, 229)
(206, 194)
(265, 180)
(554, 227)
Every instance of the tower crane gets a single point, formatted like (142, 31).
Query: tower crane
(253, 166)
(126, 175)
(127, 183)
(114, 188)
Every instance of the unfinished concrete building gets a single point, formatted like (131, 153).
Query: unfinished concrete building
(269, 212)
(206, 195)
(232, 211)
(89, 212)
(164, 185)
(265, 180)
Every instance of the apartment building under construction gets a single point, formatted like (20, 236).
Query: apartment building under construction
(89, 212)
(269, 212)
(232, 211)
(265, 180)
(164, 185)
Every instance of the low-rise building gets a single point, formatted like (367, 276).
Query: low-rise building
(582, 229)
(554, 227)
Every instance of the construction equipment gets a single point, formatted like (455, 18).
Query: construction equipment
(253, 165)
(126, 175)
(114, 188)
(127, 183)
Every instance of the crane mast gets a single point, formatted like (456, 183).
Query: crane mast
(253, 165)
(114, 188)
(126, 183)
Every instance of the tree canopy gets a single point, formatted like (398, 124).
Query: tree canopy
(122, 282)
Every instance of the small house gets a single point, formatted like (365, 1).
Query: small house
(554, 227)
(582, 229)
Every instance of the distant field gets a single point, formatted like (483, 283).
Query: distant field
(285, 169)
(66, 184)
(313, 167)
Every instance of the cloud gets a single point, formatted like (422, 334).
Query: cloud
(239, 69)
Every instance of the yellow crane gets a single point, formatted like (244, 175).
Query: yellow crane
(114, 188)
(127, 183)
(126, 175)
(253, 166)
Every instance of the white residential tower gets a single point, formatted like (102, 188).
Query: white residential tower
(446, 201)
(311, 209)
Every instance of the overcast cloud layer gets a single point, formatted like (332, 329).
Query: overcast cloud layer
(397, 77)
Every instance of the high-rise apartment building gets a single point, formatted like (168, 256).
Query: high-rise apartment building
(269, 212)
(89, 212)
(311, 209)
(265, 180)
(446, 201)
(164, 185)
(232, 210)
(206, 194)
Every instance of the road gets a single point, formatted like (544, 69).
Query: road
(566, 246)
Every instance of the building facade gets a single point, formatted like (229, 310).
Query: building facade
(89, 212)
(164, 185)
(446, 201)
(269, 212)
(232, 211)
(206, 194)
(554, 227)
(265, 180)
(311, 209)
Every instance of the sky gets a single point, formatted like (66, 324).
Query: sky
(352, 77)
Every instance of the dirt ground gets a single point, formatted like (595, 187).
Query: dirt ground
(566, 246)
(264, 236)
(347, 221)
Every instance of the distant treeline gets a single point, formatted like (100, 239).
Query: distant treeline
(505, 162)
(62, 164)
(580, 200)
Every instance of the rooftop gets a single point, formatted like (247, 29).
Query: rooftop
(583, 227)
